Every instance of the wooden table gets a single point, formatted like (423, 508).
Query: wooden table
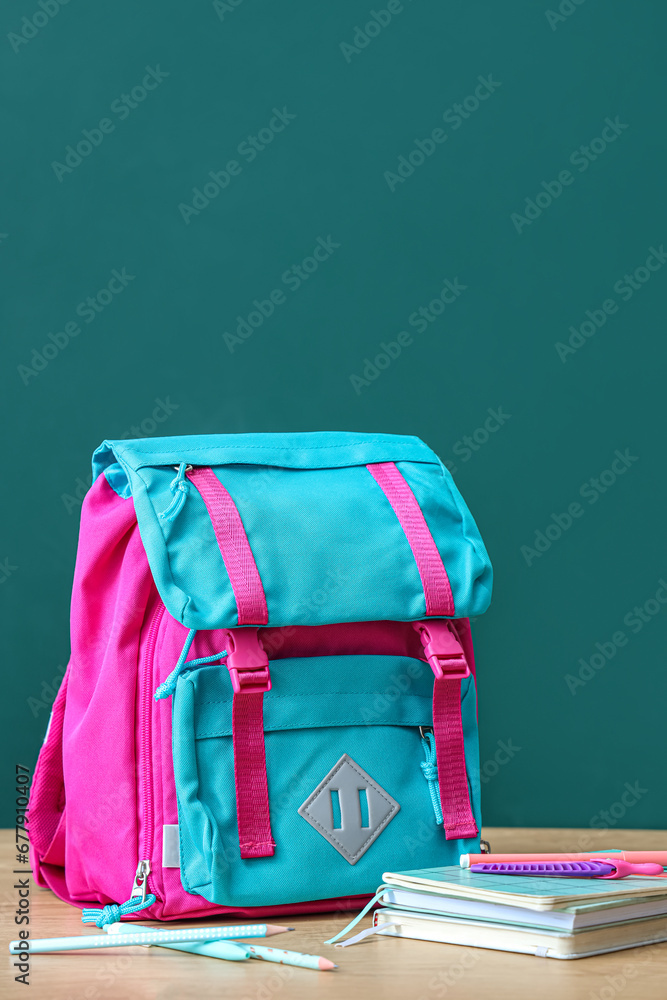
(379, 968)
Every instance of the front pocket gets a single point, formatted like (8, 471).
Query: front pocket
(366, 709)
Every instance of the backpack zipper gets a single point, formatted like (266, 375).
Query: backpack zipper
(140, 884)
(140, 895)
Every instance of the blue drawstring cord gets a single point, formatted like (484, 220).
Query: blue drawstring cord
(112, 912)
(430, 771)
(180, 488)
(353, 923)
(168, 686)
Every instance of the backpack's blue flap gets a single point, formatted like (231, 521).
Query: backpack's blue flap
(327, 543)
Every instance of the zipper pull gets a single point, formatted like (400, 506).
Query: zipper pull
(429, 768)
(180, 487)
(140, 884)
(139, 899)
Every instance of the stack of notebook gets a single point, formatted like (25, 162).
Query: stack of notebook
(544, 916)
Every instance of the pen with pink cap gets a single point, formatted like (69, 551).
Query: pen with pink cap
(634, 857)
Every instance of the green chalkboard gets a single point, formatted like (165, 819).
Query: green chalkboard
(438, 219)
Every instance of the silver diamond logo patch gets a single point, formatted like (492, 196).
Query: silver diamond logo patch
(349, 809)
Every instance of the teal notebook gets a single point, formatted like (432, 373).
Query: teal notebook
(533, 892)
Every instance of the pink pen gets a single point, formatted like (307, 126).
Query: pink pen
(638, 857)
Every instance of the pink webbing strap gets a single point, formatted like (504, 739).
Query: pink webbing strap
(248, 667)
(437, 591)
(234, 547)
(446, 656)
(252, 796)
(247, 663)
(457, 817)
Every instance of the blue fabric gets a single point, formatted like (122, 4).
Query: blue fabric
(327, 544)
(112, 912)
(319, 708)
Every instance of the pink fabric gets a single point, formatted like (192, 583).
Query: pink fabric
(87, 848)
(252, 797)
(48, 786)
(437, 591)
(234, 547)
(383, 638)
(458, 819)
(94, 835)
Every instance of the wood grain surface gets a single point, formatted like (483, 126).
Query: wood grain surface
(379, 968)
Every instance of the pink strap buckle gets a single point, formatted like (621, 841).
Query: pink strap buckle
(443, 650)
(247, 662)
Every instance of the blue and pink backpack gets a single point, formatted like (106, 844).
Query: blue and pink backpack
(271, 694)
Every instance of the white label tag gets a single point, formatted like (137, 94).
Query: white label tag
(170, 851)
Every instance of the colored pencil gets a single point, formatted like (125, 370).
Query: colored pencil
(236, 950)
(291, 958)
(231, 951)
(151, 936)
(638, 857)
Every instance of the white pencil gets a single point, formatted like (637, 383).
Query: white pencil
(157, 936)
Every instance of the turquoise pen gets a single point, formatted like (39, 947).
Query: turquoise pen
(235, 951)
(178, 936)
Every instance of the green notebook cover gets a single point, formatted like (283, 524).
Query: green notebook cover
(532, 891)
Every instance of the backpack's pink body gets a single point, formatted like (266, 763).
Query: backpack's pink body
(120, 785)
(120, 789)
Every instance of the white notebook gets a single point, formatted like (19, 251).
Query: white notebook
(574, 917)
(504, 937)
